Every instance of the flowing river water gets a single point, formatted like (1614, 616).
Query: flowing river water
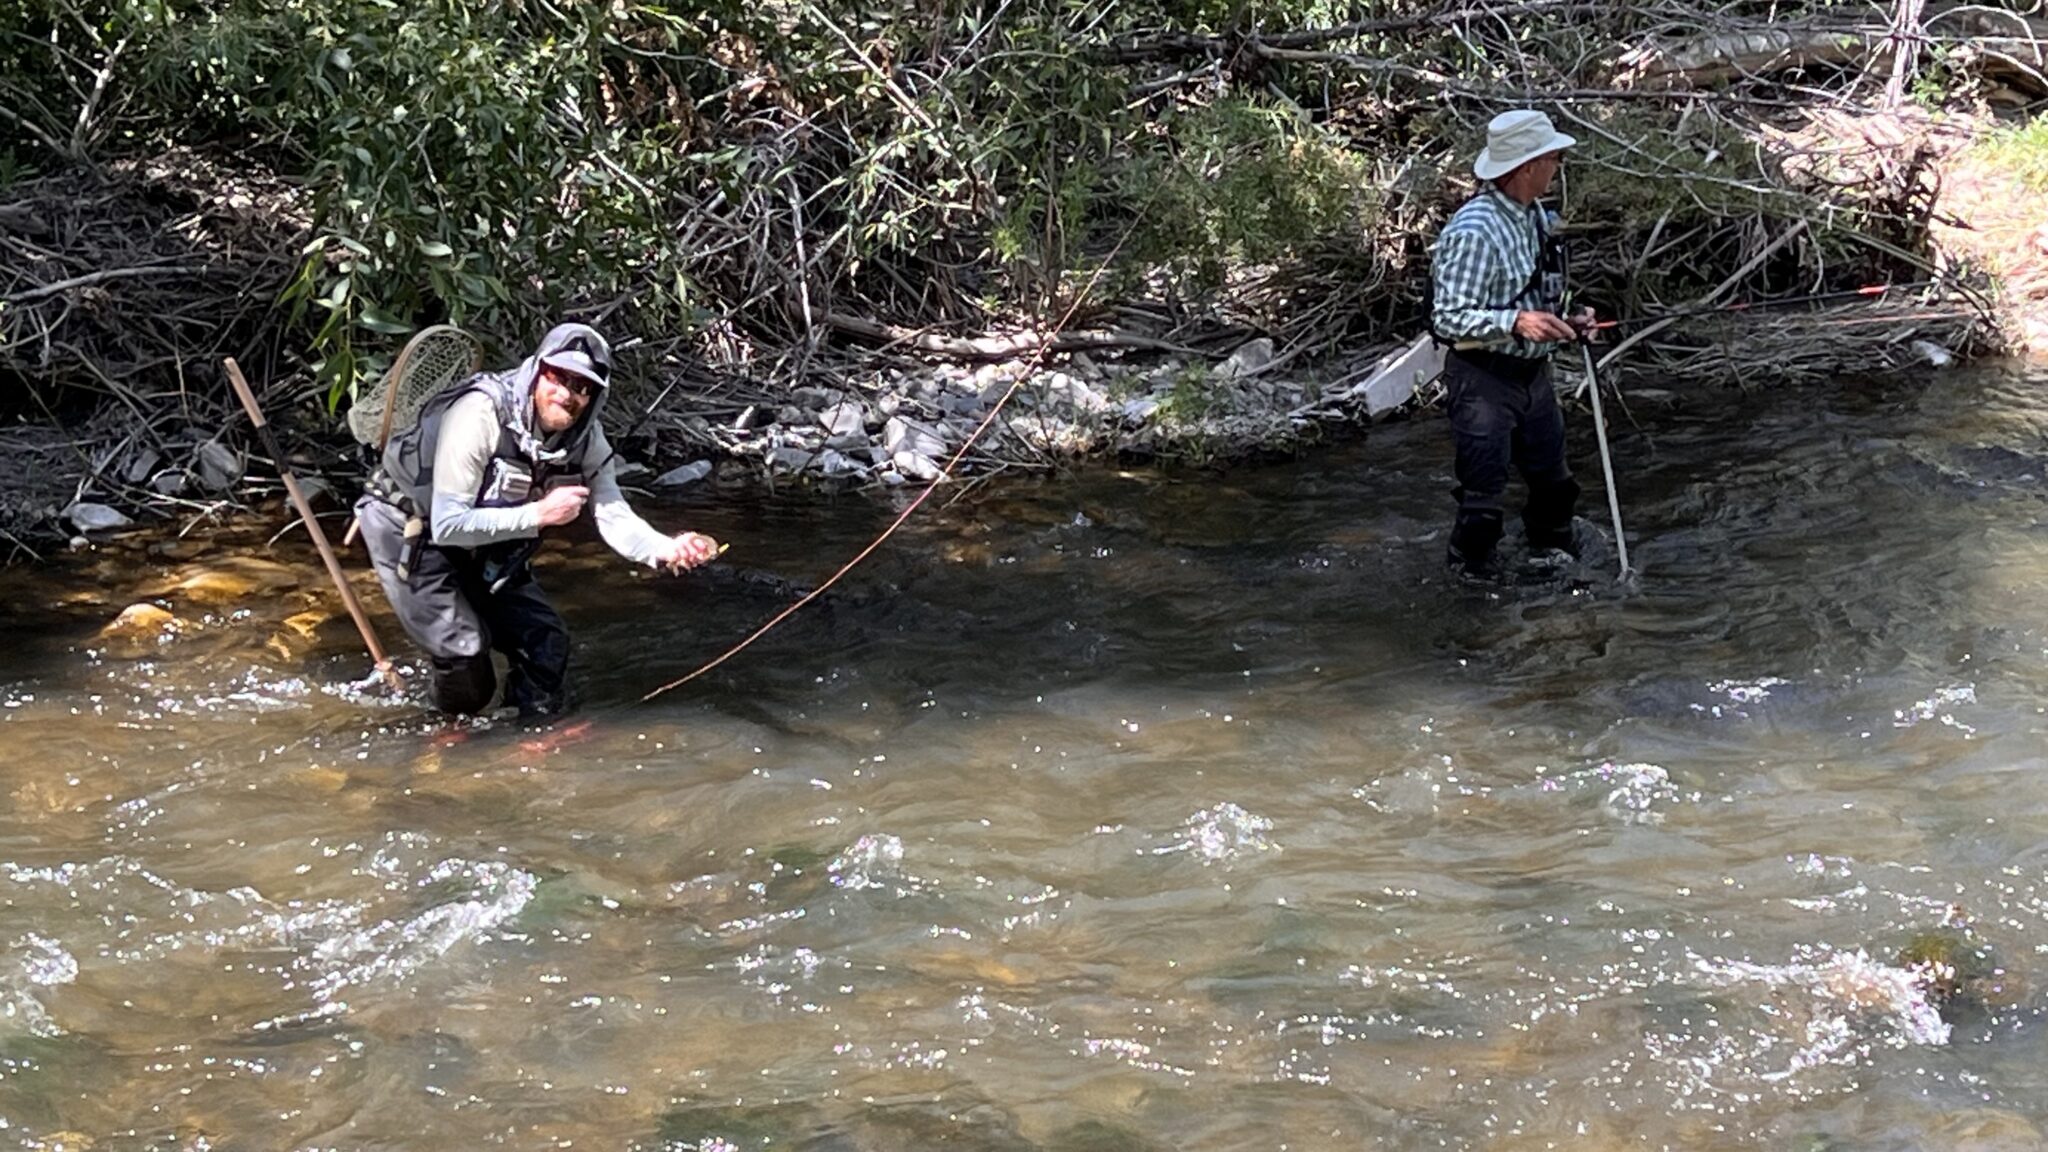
(1146, 810)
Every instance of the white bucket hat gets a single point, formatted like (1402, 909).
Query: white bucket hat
(1515, 138)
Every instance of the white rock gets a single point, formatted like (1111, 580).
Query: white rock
(168, 483)
(1140, 410)
(1933, 353)
(1087, 399)
(95, 517)
(689, 473)
(903, 435)
(843, 419)
(1250, 356)
(833, 463)
(916, 465)
(847, 442)
(890, 477)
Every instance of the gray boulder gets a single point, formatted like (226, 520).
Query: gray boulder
(689, 473)
(88, 517)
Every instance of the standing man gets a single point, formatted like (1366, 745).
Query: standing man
(455, 509)
(1499, 290)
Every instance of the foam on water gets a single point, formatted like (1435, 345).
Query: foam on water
(395, 949)
(1939, 707)
(873, 861)
(1837, 1000)
(1221, 834)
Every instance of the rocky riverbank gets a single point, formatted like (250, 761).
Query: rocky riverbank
(895, 426)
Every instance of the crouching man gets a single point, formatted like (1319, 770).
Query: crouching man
(455, 510)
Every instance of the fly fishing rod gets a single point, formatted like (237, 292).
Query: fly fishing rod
(1867, 292)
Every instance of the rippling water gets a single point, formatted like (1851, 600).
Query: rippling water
(1136, 811)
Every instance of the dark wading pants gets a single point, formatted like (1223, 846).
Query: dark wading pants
(1504, 411)
(450, 612)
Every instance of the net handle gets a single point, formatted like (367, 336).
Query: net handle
(396, 374)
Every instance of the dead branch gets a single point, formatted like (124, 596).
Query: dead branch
(997, 347)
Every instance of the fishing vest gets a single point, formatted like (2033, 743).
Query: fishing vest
(519, 469)
(1548, 278)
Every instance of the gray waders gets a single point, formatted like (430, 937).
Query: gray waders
(446, 605)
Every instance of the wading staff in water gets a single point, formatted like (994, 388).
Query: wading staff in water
(1498, 284)
(452, 510)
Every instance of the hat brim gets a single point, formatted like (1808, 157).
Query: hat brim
(1489, 167)
(577, 364)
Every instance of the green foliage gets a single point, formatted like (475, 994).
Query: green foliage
(1244, 183)
(669, 166)
(2021, 149)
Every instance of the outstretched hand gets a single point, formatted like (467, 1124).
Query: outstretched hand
(688, 550)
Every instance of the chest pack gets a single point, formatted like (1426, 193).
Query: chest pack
(1547, 279)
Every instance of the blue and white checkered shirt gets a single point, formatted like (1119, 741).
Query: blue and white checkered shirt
(1485, 272)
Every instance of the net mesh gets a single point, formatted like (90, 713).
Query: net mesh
(435, 359)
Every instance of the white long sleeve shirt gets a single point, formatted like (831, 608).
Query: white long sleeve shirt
(469, 437)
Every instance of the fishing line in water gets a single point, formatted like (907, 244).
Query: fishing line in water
(946, 473)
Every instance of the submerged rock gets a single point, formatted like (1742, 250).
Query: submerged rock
(300, 634)
(234, 578)
(140, 621)
(1956, 970)
(1986, 1130)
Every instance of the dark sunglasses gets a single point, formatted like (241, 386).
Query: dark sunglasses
(575, 382)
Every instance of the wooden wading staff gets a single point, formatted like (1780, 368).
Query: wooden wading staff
(291, 487)
(1606, 457)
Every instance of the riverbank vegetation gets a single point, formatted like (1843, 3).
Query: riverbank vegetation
(839, 194)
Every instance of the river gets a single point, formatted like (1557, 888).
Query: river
(1132, 810)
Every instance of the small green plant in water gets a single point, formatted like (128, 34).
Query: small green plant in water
(1955, 969)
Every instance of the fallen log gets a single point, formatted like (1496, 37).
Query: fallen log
(1171, 45)
(1727, 57)
(2006, 47)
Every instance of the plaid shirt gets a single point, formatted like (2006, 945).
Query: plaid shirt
(1485, 272)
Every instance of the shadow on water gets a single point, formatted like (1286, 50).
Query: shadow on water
(1133, 810)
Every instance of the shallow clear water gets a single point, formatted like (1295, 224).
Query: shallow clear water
(1135, 811)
